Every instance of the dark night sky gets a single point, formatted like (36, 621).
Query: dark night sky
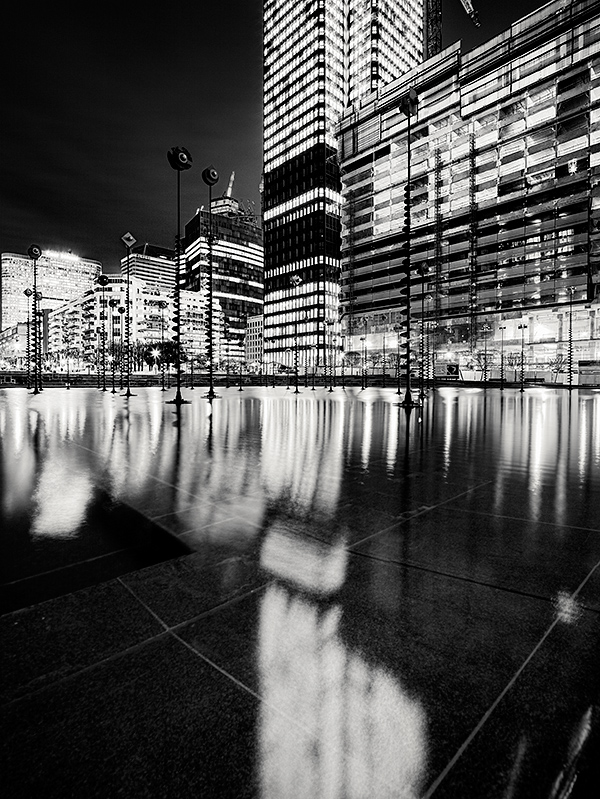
(92, 102)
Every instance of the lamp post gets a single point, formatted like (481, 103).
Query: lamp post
(103, 282)
(502, 329)
(485, 328)
(383, 355)
(162, 305)
(210, 176)
(314, 349)
(296, 281)
(408, 105)
(180, 160)
(363, 371)
(34, 253)
(571, 290)
(329, 350)
(28, 293)
(121, 310)
(522, 327)
(397, 330)
(128, 240)
(112, 304)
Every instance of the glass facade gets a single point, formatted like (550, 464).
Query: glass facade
(505, 199)
(320, 57)
(238, 269)
(61, 276)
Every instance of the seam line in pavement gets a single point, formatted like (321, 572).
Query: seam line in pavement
(436, 783)
(172, 631)
(423, 511)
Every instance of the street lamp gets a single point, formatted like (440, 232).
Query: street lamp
(485, 328)
(103, 281)
(296, 282)
(128, 240)
(571, 290)
(210, 176)
(397, 330)
(522, 327)
(502, 329)
(28, 293)
(408, 105)
(121, 310)
(112, 304)
(363, 376)
(179, 159)
(34, 253)
(329, 350)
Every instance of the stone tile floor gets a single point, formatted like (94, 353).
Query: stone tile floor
(363, 605)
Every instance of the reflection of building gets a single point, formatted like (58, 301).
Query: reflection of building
(237, 259)
(505, 207)
(319, 57)
(61, 276)
(154, 265)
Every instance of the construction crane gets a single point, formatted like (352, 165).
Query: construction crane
(229, 190)
(433, 24)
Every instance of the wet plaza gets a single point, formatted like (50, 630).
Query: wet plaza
(300, 596)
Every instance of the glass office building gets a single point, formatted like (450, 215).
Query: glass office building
(320, 56)
(61, 276)
(505, 198)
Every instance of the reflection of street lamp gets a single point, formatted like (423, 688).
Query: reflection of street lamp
(502, 329)
(571, 290)
(128, 240)
(522, 327)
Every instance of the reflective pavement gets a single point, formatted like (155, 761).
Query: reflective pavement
(296, 596)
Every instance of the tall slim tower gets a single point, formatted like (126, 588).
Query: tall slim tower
(319, 57)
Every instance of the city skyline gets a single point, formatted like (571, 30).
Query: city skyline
(93, 106)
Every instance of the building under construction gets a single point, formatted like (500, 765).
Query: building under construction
(503, 203)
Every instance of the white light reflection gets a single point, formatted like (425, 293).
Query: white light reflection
(308, 564)
(61, 499)
(357, 732)
(568, 610)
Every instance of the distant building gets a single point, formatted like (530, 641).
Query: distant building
(237, 259)
(78, 328)
(154, 265)
(254, 340)
(61, 276)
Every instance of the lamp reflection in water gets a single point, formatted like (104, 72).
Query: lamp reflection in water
(343, 726)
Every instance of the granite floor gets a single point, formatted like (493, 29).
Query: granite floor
(301, 596)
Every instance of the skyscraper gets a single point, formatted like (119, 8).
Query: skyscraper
(320, 56)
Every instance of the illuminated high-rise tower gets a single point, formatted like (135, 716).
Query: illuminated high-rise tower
(320, 56)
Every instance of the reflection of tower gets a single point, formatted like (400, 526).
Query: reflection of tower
(341, 721)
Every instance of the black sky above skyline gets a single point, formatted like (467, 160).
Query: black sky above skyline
(93, 101)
